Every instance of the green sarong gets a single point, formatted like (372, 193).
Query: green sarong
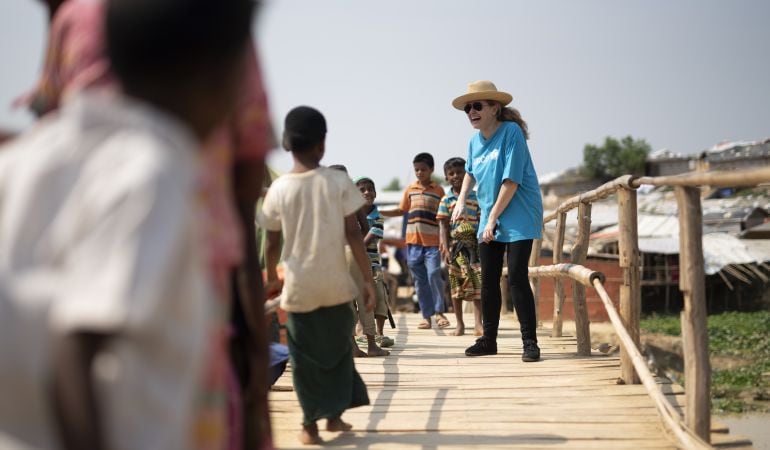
(321, 353)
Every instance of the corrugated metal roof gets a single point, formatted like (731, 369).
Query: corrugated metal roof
(660, 234)
(648, 226)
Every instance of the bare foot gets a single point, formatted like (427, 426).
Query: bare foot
(377, 351)
(357, 352)
(309, 435)
(478, 331)
(337, 424)
(459, 330)
(424, 325)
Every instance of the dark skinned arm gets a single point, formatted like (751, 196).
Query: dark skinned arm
(368, 238)
(76, 413)
(248, 178)
(363, 223)
(443, 238)
(272, 256)
(398, 212)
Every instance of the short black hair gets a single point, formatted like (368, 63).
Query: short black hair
(339, 167)
(453, 162)
(359, 180)
(426, 158)
(150, 41)
(304, 128)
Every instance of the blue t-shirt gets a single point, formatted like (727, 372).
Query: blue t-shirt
(491, 161)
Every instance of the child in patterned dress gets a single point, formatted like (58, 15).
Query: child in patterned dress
(459, 246)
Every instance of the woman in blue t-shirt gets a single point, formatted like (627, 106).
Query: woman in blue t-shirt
(511, 210)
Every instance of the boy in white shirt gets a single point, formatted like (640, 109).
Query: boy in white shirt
(105, 289)
(316, 208)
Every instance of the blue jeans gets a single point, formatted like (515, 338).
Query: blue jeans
(425, 265)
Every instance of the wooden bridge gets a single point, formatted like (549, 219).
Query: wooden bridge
(428, 395)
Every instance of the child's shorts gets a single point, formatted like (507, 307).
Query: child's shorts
(383, 302)
(359, 307)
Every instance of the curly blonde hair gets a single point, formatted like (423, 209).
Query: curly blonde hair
(509, 114)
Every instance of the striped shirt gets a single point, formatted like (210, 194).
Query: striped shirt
(421, 204)
(376, 227)
(448, 203)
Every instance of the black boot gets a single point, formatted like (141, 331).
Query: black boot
(484, 346)
(531, 352)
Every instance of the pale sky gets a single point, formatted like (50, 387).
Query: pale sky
(683, 75)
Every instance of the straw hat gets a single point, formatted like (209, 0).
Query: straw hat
(481, 90)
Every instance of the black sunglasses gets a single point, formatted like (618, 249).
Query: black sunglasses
(478, 106)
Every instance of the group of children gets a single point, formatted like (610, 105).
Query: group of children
(430, 237)
(333, 275)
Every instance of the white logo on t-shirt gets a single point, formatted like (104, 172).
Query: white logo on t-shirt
(491, 156)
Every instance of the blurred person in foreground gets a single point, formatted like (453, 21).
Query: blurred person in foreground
(233, 406)
(102, 263)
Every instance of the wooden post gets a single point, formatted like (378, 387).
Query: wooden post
(630, 290)
(579, 253)
(534, 283)
(558, 285)
(697, 370)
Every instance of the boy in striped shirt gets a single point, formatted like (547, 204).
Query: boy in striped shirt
(420, 204)
(459, 246)
(372, 242)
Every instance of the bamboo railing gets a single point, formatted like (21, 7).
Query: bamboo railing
(587, 277)
(694, 432)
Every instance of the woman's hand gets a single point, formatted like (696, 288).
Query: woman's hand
(489, 232)
(458, 213)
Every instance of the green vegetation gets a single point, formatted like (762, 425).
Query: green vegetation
(739, 344)
(615, 158)
(394, 185)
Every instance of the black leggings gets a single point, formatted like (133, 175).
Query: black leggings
(491, 255)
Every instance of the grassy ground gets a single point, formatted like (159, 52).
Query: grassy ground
(740, 358)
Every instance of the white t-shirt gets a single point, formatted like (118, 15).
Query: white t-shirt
(310, 208)
(99, 232)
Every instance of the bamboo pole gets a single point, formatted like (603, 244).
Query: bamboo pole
(558, 286)
(751, 177)
(727, 282)
(736, 273)
(579, 254)
(670, 416)
(745, 269)
(630, 290)
(534, 283)
(599, 193)
(758, 273)
(694, 333)
(581, 274)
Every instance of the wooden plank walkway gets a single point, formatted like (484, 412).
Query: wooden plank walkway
(428, 395)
